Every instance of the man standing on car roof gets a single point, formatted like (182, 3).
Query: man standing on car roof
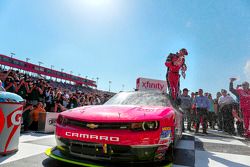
(175, 63)
(244, 96)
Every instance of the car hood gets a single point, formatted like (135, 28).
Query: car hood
(118, 113)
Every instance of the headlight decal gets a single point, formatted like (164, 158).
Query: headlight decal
(145, 126)
(150, 125)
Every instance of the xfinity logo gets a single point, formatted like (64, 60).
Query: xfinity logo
(52, 121)
(96, 137)
(152, 85)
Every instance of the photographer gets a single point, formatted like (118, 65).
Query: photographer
(73, 102)
(21, 88)
(9, 85)
(49, 96)
(34, 92)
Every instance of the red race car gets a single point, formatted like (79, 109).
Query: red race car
(138, 126)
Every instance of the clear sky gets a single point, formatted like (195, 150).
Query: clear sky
(120, 40)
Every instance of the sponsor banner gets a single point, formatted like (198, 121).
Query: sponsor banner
(50, 122)
(47, 121)
(151, 84)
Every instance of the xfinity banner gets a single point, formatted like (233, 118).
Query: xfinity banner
(151, 84)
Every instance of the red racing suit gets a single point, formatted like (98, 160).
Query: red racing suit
(245, 107)
(174, 64)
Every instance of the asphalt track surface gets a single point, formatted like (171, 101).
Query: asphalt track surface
(214, 149)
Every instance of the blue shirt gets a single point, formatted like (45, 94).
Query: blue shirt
(202, 102)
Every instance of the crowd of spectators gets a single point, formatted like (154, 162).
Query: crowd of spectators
(43, 95)
(222, 113)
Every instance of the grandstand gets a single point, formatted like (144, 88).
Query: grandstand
(40, 70)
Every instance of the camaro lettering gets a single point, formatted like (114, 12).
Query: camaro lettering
(93, 137)
(96, 137)
(104, 138)
(74, 134)
(68, 133)
(85, 136)
(114, 139)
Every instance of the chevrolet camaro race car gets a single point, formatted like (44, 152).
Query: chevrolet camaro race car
(138, 126)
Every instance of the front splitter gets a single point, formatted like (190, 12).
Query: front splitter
(55, 154)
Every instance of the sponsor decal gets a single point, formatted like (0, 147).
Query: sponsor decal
(14, 121)
(52, 121)
(166, 132)
(138, 83)
(14, 118)
(2, 120)
(166, 136)
(96, 137)
(152, 85)
(160, 156)
(164, 141)
(166, 128)
(162, 148)
(105, 148)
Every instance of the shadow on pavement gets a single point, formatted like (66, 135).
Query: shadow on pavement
(49, 162)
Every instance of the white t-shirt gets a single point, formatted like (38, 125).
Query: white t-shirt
(224, 100)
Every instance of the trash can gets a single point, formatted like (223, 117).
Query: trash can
(11, 109)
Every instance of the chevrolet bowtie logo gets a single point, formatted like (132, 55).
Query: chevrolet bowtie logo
(92, 126)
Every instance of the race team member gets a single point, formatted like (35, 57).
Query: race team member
(175, 62)
(186, 105)
(202, 105)
(226, 107)
(244, 97)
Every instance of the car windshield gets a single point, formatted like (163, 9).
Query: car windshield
(140, 98)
